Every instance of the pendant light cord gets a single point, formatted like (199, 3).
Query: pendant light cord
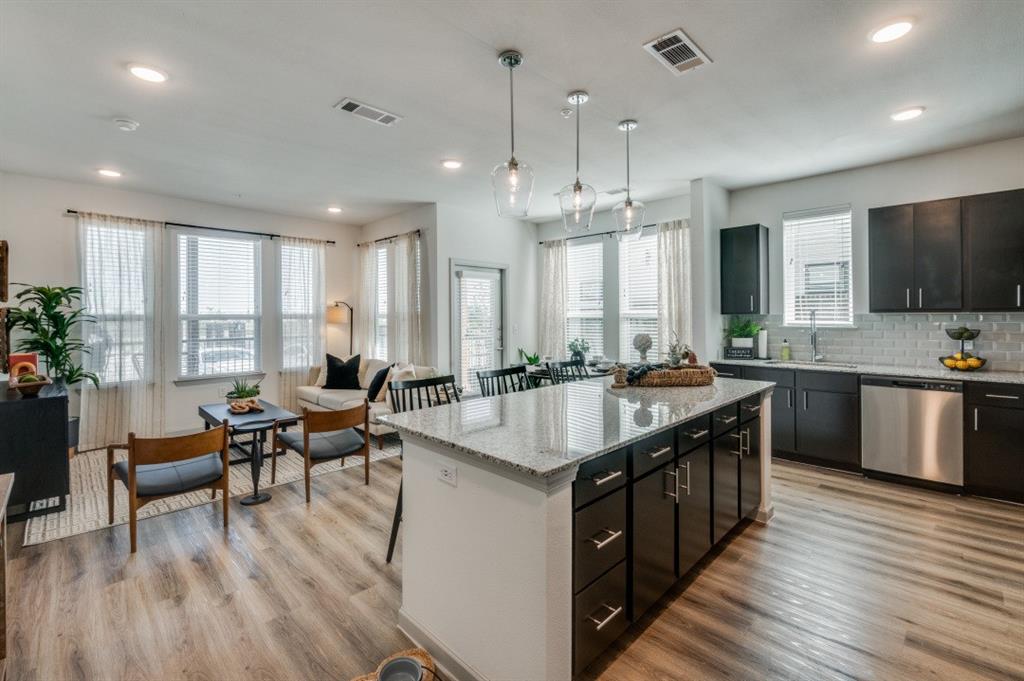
(628, 197)
(577, 139)
(512, 111)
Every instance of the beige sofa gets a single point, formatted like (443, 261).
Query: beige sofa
(317, 398)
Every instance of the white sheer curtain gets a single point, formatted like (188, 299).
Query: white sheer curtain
(122, 279)
(366, 305)
(303, 310)
(674, 297)
(553, 299)
(405, 314)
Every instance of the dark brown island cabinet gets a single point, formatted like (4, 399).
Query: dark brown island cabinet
(744, 269)
(34, 447)
(994, 440)
(950, 255)
(649, 512)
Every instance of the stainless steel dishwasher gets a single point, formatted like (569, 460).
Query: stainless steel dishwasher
(913, 428)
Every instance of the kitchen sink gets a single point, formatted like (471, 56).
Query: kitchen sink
(809, 363)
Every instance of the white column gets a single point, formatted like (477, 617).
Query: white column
(767, 508)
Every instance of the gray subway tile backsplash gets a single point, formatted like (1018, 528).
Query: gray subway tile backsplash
(906, 339)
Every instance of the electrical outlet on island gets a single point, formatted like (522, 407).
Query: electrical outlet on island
(448, 474)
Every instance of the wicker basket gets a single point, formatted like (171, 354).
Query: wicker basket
(690, 375)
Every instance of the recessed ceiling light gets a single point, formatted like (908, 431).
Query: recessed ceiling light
(908, 114)
(126, 124)
(451, 163)
(333, 209)
(107, 172)
(893, 31)
(147, 73)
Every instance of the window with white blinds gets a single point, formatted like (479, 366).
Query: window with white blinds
(478, 324)
(817, 266)
(380, 317)
(219, 304)
(585, 293)
(638, 295)
(300, 306)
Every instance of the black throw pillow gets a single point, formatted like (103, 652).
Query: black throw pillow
(342, 375)
(377, 383)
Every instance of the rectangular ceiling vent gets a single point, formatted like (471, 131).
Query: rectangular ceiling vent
(677, 52)
(368, 112)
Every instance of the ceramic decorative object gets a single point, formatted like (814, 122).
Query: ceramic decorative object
(642, 343)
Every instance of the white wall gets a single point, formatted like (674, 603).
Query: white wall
(972, 170)
(43, 246)
(709, 214)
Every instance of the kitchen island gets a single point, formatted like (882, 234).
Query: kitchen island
(537, 525)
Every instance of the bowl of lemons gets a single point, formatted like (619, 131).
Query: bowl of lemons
(962, 361)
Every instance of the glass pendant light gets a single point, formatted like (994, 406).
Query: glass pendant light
(577, 200)
(513, 179)
(629, 214)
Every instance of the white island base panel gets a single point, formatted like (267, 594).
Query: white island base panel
(487, 563)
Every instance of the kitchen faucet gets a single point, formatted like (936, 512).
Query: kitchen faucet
(815, 356)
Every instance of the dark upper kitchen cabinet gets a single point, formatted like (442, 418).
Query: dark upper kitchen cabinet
(744, 269)
(725, 479)
(890, 255)
(993, 227)
(915, 257)
(937, 256)
(994, 441)
(694, 471)
(750, 468)
(654, 529)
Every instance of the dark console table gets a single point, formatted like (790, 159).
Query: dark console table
(34, 446)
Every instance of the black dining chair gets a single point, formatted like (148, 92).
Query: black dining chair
(421, 393)
(567, 371)
(502, 381)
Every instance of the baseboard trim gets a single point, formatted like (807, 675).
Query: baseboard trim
(449, 664)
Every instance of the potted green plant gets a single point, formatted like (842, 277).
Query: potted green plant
(49, 317)
(578, 349)
(243, 391)
(742, 332)
(532, 360)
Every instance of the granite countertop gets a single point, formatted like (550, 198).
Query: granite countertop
(938, 372)
(552, 429)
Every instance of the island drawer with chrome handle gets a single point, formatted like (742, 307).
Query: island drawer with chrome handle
(725, 419)
(599, 538)
(694, 433)
(600, 616)
(750, 408)
(995, 394)
(599, 476)
(653, 451)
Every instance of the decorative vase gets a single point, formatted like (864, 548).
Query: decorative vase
(743, 342)
(578, 356)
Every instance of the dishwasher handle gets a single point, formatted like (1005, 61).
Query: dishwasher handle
(912, 384)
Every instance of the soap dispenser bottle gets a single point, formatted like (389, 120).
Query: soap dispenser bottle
(784, 354)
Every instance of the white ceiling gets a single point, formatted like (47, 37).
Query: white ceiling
(246, 117)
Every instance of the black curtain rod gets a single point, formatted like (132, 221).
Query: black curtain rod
(389, 238)
(584, 236)
(220, 229)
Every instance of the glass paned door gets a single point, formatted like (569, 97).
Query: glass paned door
(477, 334)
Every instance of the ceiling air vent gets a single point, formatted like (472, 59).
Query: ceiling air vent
(614, 192)
(677, 52)
(370, 113)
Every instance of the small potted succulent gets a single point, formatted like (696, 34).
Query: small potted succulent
(243, 394)
(742, 332)
(531, 360)
(677, 352)
(578, 349)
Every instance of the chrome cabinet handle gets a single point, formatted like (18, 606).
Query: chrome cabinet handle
(723, 373)
(726, 419)
(660, 453)
(920, 297)
(737, 436)
(696, 434)
(612, 536)
(615, 612)
(744, 448)
(1018, 295)
(675, 476)
(805, 400)
(610, 476)
(975, 419)
(687, 485)
(737, 453)
(789, 399)
(752, 407)
(751, 302)
(908, 298)
(1003, 397)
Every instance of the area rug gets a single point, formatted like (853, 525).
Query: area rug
(87, 505)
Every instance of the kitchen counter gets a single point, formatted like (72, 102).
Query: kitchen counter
(553, 429)
(939, 372)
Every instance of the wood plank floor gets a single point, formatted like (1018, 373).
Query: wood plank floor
(853, 579)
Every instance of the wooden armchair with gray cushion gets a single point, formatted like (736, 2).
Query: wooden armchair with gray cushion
(168, 466)
(326, 436)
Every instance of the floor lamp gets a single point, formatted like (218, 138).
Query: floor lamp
(336, 316)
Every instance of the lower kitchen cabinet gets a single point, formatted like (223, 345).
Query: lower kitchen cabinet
(725, 479)
(694, 471)
(600, 616)
(654, 527)
(828, 427)
(994, 442)
(750, 468)
(783, 404)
